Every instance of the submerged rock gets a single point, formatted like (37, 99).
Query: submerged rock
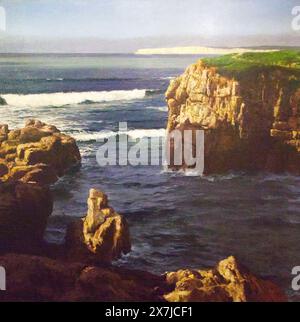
(227, 282)
(250, 115)
(36, 153)
(102, 236)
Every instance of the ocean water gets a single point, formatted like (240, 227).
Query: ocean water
(176, 220)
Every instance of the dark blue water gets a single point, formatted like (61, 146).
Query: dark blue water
(176, 220)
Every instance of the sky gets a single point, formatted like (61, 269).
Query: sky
(127, 25)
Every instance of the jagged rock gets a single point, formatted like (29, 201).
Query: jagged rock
(24, 210)
(41, 173)
(102, 236)
(32, 278)
(227, 282)
(250, 118)
(38, 152)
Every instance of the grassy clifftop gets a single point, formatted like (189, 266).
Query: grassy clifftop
(239, 63)
(284, 65)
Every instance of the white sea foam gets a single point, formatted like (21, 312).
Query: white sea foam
(158, 108)
(62, 99)
(54, 79)
(183, 172)
(168, 77)
(84, 136)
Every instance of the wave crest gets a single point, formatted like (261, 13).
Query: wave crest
(62, 99)
(84, 136)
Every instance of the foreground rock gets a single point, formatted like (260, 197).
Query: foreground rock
(102, 236)
(36, 153)
(24, 210)
(249, 107)
(42, 279)
(31, 278)
(84, 272)
(227, 282)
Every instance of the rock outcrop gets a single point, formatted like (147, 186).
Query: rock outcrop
(102, 236)
(31, 159)
(36, 153)
(24, 210)
(250, 116)
(227, 282)
(32, 278)
(84, 271)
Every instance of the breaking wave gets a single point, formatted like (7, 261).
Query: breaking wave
(62, 99)
(84, 136)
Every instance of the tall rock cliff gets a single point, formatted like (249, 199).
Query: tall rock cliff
(249, 107)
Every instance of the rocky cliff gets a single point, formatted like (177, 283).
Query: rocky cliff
(249, 107)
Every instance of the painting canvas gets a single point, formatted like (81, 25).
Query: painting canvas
(149, 152)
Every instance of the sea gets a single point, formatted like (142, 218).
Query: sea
(177, 220)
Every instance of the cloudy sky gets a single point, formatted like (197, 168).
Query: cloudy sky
(126, 25)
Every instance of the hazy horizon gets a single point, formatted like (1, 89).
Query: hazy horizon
(124, 26)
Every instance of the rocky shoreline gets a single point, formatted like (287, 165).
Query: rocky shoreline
(34, 157)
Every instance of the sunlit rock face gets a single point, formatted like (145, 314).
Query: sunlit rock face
(102, 236)
(227, 282)
(36, 153)
(251, 118)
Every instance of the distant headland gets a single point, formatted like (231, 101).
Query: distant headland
(197, 51)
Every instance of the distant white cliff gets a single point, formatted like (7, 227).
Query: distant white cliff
(197, 51)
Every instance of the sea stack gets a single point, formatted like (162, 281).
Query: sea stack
(102, 236)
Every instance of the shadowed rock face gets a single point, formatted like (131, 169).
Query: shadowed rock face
(24, 210)
(32, 278)
(251, 121)
(36, 153)
(102, 236)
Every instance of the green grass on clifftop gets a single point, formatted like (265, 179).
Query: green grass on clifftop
(238, 63)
